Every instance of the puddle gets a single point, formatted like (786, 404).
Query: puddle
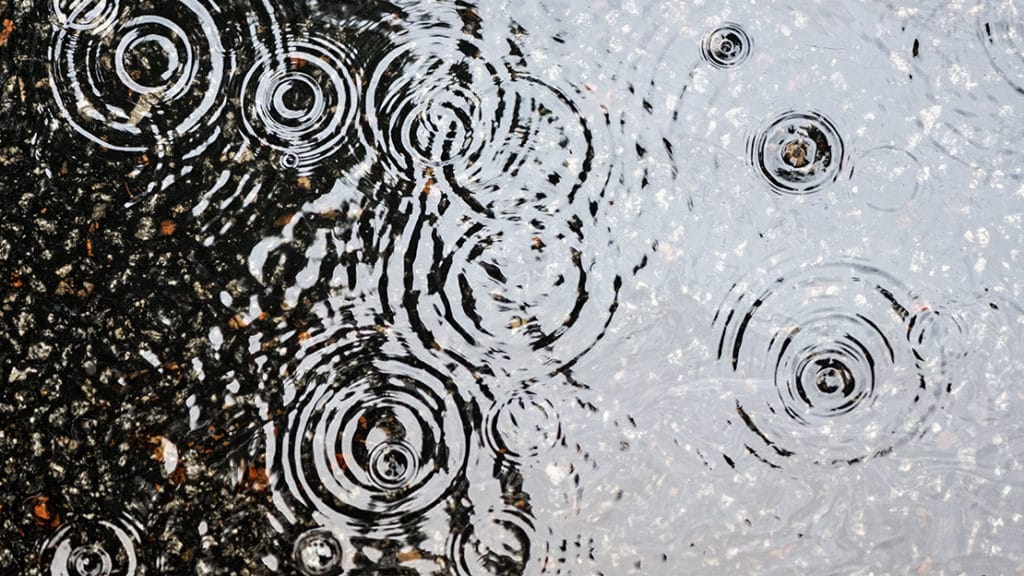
(495, 288)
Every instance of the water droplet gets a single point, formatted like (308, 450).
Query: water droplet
(302, 103)
(836, 340)
(798, 152)
(142, 80)
(97, 548)
(727, 46)
(317, 552)
(887, 178)
(89, 560)
(372, 445)
(494, 545)
(522, 426)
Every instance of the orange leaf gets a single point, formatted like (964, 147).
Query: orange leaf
(6, 32)
(167, 227)
(257, 478)
(44, 517)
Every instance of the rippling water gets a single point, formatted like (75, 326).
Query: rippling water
(511, 288)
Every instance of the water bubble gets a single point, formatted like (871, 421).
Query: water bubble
(798, 152)
(317, 552)
(848, 355)
(303, 102)
(145, 79)
(887, 178)
(1001, 28)
(727, 46)
(98, 548)
(371, 445)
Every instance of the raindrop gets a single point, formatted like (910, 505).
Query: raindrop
(371, 445)
(90, 560)
(135, 78)
(434, 101)
(887, 178)
(98, 548)
(727, 46)
(851, 372)
(797, 152)
(501, 289)
(496, 545)
(302, 103)
(317, 552)
(522, 426)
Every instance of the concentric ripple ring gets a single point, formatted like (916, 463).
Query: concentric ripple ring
(301, 104)
(369, 447)
(129, 79)
(100, 548)
(797, 152)
(850, 356)
(727, 46)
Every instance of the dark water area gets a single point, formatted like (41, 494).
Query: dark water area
(503, 288)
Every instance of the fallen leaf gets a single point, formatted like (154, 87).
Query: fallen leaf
(5, 33)
(44, 516)
(257, 478)
(167, 227)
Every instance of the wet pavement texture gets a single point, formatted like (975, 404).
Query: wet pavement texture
(553, 287)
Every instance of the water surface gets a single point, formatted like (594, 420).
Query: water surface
(511, 288)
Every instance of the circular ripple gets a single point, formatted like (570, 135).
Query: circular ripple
(546, 163)
(798, 152)
(1001, 27)
(434, 101)
(302, 103)
(84, 15)
(149, 76)
(853, 359)
(888, 178)
(727, 46)
(499, 545)
(509, 291)
(317, 552)
(100, 548)
(522, 426)
(496, 140)
(373, 446)
(992, 365)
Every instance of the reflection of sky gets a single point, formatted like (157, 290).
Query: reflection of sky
(554, 287)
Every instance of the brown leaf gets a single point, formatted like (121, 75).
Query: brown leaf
(5, 33)
(257, 478)
(44, 516)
